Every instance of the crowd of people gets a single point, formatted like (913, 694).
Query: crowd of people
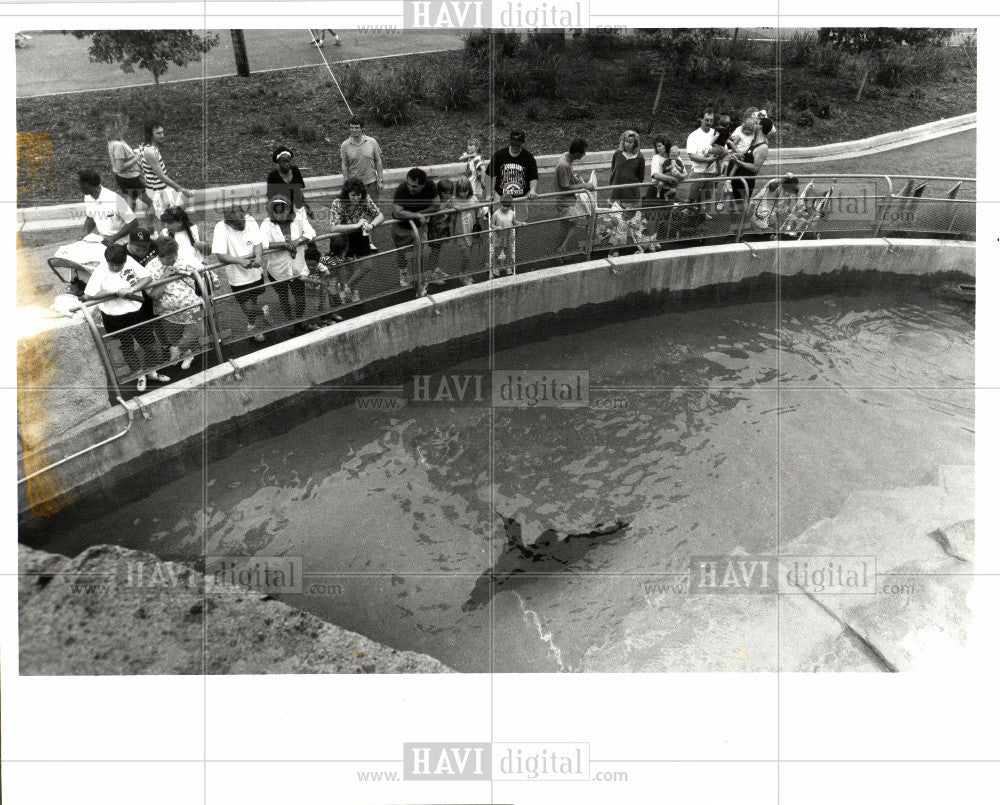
(144, 252)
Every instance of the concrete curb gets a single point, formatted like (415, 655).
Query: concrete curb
(67, 216)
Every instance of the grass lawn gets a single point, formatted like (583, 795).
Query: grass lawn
(221, 131)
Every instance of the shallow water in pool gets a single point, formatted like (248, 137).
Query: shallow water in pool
(724, 429)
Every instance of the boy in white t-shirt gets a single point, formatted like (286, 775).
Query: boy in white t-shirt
(236, 244)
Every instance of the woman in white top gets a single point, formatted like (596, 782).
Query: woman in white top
(236, 244)
(125, 163)
(288, 231)
(190, 250)
(121, 280)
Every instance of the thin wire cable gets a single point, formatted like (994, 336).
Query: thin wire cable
(329, 69)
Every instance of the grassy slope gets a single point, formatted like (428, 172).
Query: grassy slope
(221, 131)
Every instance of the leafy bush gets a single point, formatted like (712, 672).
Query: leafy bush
(545, 78)
(832, 63)
(410, 79)
(506, 44)
(456, 88)
(510, 81)
(801, 50)
(352, 80)
(904, 66)
(601, 43)
(386, 101)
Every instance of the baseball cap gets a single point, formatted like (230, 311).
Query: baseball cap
(140, 235)
(517, 136)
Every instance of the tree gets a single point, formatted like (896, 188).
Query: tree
(240, 53)
(682, 50)
(874, 44)
(154, 51)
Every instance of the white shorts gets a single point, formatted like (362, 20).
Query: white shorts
(166, 197)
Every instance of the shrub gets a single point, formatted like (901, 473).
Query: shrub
(533, 112)
(352, 81)
(456, 88)
(386, 101)
(506, 44)
(510, 81)
(600, 43)
(801, 50)
(410, 79)
(832, 63)
(904, 66)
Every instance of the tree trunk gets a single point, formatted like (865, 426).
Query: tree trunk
(656, 102)
(240, 53)
(732, 45)
(861, 89)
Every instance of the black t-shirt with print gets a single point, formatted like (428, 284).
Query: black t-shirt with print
(512, 174)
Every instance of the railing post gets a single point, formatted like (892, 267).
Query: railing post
(418, 259)
(102, 350)
(208, 305)
(591, 224)
(745, 207)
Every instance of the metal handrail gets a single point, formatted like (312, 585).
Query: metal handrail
(91, 448)
(208, 299)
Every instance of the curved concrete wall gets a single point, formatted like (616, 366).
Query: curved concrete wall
(179, 413)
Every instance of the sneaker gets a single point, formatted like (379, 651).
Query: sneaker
(140, 384)
(404, 280)
(186, 363)
(159, 377)
(175, 353)
(336, 40)
(468, 281)
(258, 337)
(437, 277)
(355, 296)
(265, 311)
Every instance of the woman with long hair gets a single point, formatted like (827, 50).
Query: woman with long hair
(628, 166)
(126, 164)
(354, 215)
(749, 165)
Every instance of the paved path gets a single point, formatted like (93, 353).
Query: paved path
(54, 62)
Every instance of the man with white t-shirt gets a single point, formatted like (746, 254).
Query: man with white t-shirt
(109, 219)
(700, 152)
(236, 244)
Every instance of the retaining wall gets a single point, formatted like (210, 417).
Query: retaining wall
(181, 413)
